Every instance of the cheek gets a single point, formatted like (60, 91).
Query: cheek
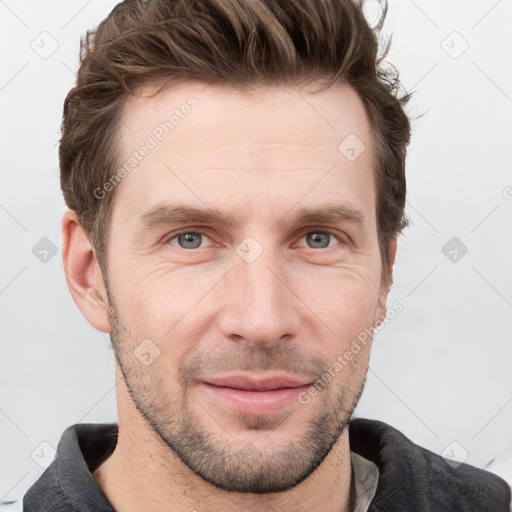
(165, 306)
(343, 298)
(144, 292)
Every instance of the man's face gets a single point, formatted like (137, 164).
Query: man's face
(260, 294)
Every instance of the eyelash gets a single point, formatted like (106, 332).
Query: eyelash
(167, 240)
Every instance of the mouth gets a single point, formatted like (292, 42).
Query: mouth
(255, 396)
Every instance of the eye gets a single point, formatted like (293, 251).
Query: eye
(321, 239)
(193, 239)
(188, 239)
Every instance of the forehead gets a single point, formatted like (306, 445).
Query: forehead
(262, 114)
(209, 139)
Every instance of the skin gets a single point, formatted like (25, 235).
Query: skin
(259, 156)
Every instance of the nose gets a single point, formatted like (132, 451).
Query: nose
(260, 307)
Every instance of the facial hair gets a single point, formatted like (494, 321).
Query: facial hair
(228, 462)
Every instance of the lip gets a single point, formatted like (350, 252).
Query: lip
(252, 396)
(257, 384)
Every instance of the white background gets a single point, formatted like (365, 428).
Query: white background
(440, 371)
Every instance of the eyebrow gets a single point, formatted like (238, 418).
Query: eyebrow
(165, 214)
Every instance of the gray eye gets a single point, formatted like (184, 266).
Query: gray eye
(319, 239)
(190, 240)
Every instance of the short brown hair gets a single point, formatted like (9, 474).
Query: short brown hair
(236, 42)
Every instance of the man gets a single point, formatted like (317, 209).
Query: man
(234, 172)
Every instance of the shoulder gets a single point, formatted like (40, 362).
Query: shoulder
(422, 479)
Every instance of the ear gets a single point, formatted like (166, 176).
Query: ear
(83, 273)
(387, 281)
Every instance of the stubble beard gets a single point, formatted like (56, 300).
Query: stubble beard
(229, 462)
